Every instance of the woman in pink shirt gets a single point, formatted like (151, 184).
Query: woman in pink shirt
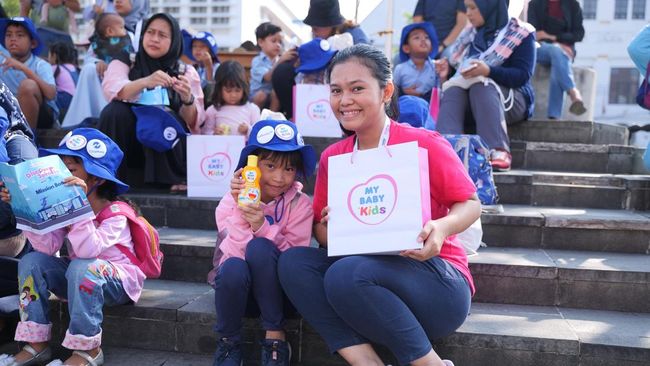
(399, 301)
(96, 271)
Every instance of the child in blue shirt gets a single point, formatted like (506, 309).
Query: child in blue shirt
(269, 39)
(29, 77)
(416, 74)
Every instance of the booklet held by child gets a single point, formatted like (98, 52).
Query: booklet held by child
(39, 199)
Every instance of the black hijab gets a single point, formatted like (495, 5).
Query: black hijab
(495, 15)
(170, 62)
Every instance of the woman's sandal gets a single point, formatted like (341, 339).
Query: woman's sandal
(577, 107)
(38, 358)
(178, 189)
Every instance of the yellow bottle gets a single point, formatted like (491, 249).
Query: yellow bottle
(251, 174)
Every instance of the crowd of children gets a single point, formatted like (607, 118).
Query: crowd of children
(138, 72)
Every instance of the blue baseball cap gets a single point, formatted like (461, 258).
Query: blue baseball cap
(25, 22)
(100, 156)
(431, 32)
(414, 111)
(208, 39)
(278, 136)
(315, 55)
(156, 128)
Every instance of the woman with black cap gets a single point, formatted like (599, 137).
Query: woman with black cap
(325, 19)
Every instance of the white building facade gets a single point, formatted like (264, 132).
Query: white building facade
(610, 25)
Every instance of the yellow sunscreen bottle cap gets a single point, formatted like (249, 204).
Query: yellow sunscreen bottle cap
(252, 160)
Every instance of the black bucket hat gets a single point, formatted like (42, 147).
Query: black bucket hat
(324, 13)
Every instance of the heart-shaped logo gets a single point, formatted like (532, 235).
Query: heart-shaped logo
(216, 167)
(319, 110)
(372, 202)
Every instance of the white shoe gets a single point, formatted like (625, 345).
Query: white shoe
(448, 363)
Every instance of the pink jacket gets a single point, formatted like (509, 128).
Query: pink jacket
(117, 75)
(292, 230)
(89, 241)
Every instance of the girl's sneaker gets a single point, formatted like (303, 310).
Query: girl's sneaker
(275, 352)
(228, 353)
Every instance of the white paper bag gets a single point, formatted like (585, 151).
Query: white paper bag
(211, 162)
(378, 200)
(313, 113)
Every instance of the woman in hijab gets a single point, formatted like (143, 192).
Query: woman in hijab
(495, 59)
(157, 67)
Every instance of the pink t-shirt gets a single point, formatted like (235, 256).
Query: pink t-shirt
(64, 81)
(448, 182)
(232, 116)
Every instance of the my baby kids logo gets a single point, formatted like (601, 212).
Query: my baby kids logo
(372, 202)
(216, 167)
(319, 110)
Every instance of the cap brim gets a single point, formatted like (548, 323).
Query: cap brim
(307, 151)
(90, 167)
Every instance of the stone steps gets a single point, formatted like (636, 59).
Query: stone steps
(518, 226)
(568, 229)
(569, 157)
(607, 191)
(178, 317)
(572, 132)
(607, 281)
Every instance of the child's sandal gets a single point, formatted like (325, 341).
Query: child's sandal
(38, 358)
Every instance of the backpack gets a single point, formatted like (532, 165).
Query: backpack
(643, 95)
(146, 243)
(475, 155)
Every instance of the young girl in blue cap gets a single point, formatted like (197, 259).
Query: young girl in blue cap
(252, 237)
(96, 272)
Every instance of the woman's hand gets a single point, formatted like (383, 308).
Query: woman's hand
(542, 35)
(433, 235)
(182, 86)
(4, 193)
(442, 68)
(75, 181)
(253, 214)
(159, 78)
(325, 215)
(236, 184)
(412, 90)
(476, 68)
(220, 130)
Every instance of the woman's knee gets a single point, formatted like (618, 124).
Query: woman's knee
(345, 276)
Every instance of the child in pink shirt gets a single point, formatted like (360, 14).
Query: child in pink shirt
(63, 58)
(96, 271)
(230, 113)
(252, 237)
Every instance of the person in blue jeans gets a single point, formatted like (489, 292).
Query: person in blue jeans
(400, 301)
(559, 28)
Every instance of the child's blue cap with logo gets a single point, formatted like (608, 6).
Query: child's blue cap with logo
(425, 26)
(25, 22)
(208, 39)
(101, 157)
(278, 136)
(156, 128)
(315, 55)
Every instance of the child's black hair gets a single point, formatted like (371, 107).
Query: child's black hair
(266, 29)
(103, 22)
(229, 74)
(283, 158)
(65, 54)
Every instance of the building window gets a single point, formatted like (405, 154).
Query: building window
(198, 20)
(623, 85)
(620, 9)
(638, 9)
(199, 9)
(172, 10)
(221, 9)
(589, 9)
(220, 20)
(154, 10)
